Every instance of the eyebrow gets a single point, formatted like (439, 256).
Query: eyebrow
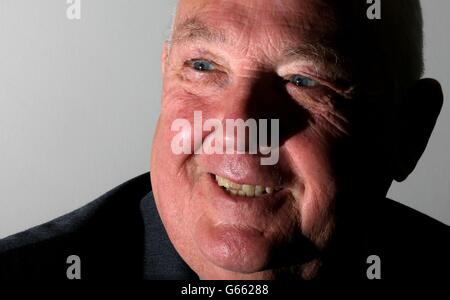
(326, 57)
(193, 29)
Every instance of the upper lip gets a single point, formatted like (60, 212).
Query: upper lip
(257, 181)
(242, 169)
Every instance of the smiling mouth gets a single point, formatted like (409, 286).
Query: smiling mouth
(245, 190)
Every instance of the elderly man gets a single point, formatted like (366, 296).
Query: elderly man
(352, 114)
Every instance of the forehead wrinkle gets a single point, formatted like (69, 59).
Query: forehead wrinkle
(193, 29)
(326, 60)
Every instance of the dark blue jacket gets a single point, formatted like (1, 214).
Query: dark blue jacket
(117, 236)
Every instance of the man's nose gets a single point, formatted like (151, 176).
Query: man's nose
(255, 97)
(262, 97)
(251, 103)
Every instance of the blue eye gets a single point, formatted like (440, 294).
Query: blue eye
(302, 81)
(202, 65)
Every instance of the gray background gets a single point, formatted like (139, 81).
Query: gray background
(79, 101)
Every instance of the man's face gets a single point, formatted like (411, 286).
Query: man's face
(259, 59)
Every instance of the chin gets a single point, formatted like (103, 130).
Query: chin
(238, 249)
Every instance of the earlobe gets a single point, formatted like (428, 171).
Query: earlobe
(415, 121)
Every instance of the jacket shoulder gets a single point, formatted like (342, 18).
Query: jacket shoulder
(414, 244)
(91, 231)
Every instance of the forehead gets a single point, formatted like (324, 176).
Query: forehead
(268, 33)
(281, 21)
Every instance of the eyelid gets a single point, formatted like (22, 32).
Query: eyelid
(315, 83)
(345, 90)
(319, 73)
(193, 60)
(324, 85)
(215, 67)
(214, 76)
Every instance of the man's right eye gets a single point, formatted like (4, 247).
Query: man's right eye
(201, 65)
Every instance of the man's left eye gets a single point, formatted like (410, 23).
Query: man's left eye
(201, 65)
(302, 81)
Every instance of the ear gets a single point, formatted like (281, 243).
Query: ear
(415, 121)
(164, 57)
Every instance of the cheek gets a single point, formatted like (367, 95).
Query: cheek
(176, 122)
(310, 155)
(171, 167)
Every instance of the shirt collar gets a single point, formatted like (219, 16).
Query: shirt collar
(161, 260)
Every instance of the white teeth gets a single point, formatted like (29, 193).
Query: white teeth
(247, 190)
